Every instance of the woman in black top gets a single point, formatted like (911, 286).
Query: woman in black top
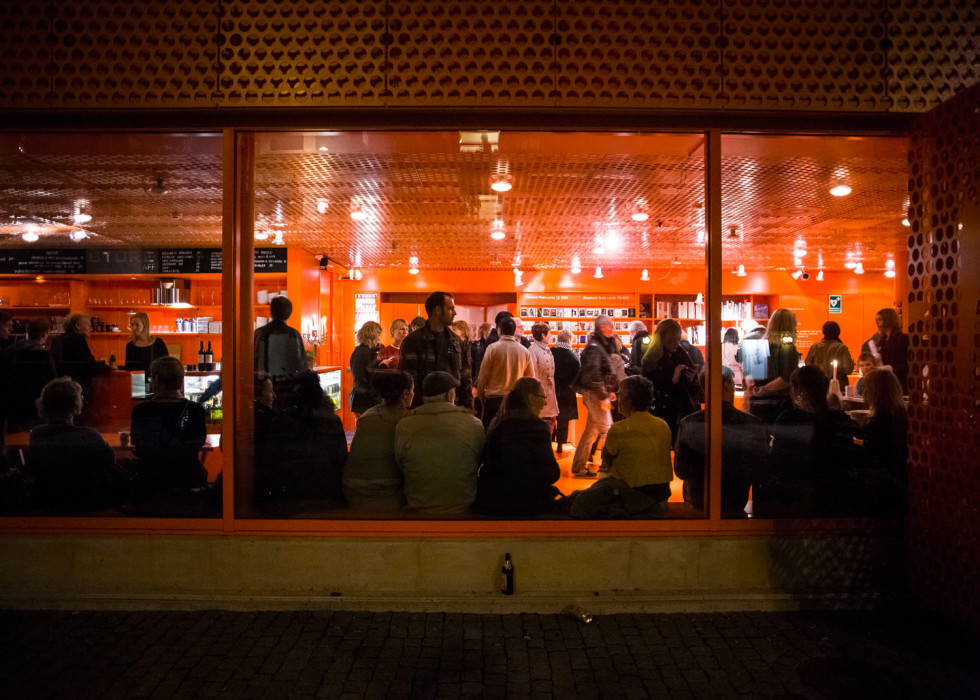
(363, 362)
(770, 398)
(567, 367)
(142, 348)
(519, 468)
(676, 388)
(890, 346)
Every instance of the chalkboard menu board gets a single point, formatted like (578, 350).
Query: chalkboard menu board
(129, 261)
(270, 259)
(121, 261)
(42, 262)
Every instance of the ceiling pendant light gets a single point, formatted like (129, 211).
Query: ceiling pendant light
(501, 182)
(78, 235)
(357, 274)
(278, 240)
(797, 274)
(497, 233)
(576, 266)
(740, 271)
(598, 272)
(859, 269)
(819, 275)
(518, 277)
(645, 275)
(413, 265)
(357, 212)
(840, 190)
(80, 215)
(30, 236)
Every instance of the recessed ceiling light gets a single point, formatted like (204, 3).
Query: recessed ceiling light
(322, 205)
(413, 265)
(888, 273)
(261, 235)
(850, 264)
(357, 213)
(840, 190)
(640, 216)
(906, 222)
(30, 236)
(323, 149)
(498, 235)
(740, 271)
(598, 272)
(78, 236)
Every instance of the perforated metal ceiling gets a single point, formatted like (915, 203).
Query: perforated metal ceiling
(426, 195)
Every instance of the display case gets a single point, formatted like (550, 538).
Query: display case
(330, 383)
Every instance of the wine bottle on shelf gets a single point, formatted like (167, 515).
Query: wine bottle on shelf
(200, 356)
(209, 358)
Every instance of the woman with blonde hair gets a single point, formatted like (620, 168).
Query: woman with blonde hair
(388, 355)
(886, 432)
(363, 363)
(142, 348)
(772, 397)
(676, 388)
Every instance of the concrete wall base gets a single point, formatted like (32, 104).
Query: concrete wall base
(662, 574)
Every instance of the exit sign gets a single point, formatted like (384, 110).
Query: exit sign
(835, 303)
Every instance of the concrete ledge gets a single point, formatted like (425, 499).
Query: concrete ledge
(616, 575)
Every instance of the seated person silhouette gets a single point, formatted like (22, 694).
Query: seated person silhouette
(311, 446)
(168, 432)
(73, 467)
(28, 366)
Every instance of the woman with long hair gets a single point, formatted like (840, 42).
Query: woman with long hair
(890, 346)
(142, 348)
(363, 363)
(886, 432)
(771, 397)
(676, 388)
(372, 481)
(729, 352)
(519, 468)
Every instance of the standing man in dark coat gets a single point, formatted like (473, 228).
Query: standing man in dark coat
(434, 347)
(598, 383)
(566, 369)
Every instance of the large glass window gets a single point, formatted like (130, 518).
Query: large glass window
(813, 257)
(111, 322)
(560, 230)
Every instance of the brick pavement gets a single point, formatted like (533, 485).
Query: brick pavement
(172, 655)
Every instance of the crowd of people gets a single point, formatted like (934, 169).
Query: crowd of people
(452, 420)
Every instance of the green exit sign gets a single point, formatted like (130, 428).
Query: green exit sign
(835, 303)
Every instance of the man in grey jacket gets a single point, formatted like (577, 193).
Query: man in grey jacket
(438, 449)
(597, 383)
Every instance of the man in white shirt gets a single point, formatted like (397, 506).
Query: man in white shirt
(504, 363)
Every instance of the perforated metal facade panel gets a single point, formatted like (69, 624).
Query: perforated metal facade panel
(944, 325)
(818, 55)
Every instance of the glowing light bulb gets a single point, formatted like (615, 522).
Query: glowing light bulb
(598, 272)
(645, 275)
(840, 190)
(859, 269)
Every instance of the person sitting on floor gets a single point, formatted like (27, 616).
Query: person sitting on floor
(312, 445)
(744, 448)
(372, 480)
(637, 448)
(168, 432)
(438, 449)
(73, 466)
(519, 468)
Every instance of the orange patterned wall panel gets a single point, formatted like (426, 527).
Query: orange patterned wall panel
(944, 329)
(802, 55)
